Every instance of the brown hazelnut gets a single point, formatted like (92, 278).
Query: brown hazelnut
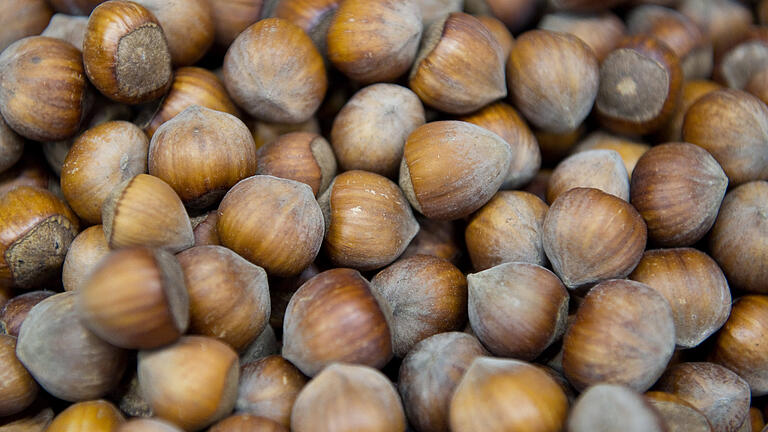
(302, 156)
(517, 309)
(430, 373)
(369, 132)
(85, 252)
(514, 14)
(605, 407)
(553, 79)
(75, 7)
(147, 425)
(69, 28)
(313, 16)
(722, 21)
(500, 32)
(21, 19)
(740, 345)
(30, 170)
(677, 414)
(742, 58)
(15, 310)
(368, 221)
(262, 214)
(36, 229)
(452, 168)
(247, 423)
(282, 289)
(720, 118)
(624, 333)
(257, 64)
(335, 317)
(11, 146)
(737, 241)
(36, 421)
(590, 236)
(65, 358)
(432, 10)
(678, 188)
(554, 147)
(584, 5)
(717, 392)
(599, 169)
(135, 298)
(602, 31)
(177, 18)
(145, 211)
(628, 149)
(100, 159)
(426, 295)
(507, 229)
(192, 383)
(228, 296)
(503, 120)
(695, 288)
(90, 416)
(268, 388)
(692, 91)
(201, 153)
(191, 86)
(231, 17)
(374, 41)
(758, 84)
(491, 386)
(347, 398)
(204, 228)
(680, 34)
(44, 92)
(17, 387)
(436, 238)
(640, 83)
(460, 65)
(266, 132)
(126, 54)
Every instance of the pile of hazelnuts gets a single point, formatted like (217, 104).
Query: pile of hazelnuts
(383, 215)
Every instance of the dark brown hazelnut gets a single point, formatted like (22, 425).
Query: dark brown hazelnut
(437, 238)
(268, 388)
(302, 156)
(85, 252)
(605, 407)
(21, 19)
(17, 387)
(282, 289)
(602, 31)
(70, 28)
(15, 310)
(677, 414)
(603, 170)
(554, 147)
(692, 91)
(335, 317)
(628, 149)
(514, 14)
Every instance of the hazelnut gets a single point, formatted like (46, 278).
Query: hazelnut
(603, 170)
(268, 388)
(514, 14)
(374, 41)
(436, 238)
(678, 188)
(36, 229)
(722, 21)
(720, 118)
(584, 5)
(744, 57)
(30, 170)
(75, 7)
(553, 79)
(590, 236)
(554, 147)
(452, 168)
(281, 290)
(427, 295)
(192, 383)
(624, 333)
(335, 317)
(600, 31)
(15, 310)
(65, 358)
(247, 423)
(90, 416)
(100, 159)
(500, 32)
(145, 211)
(507, 229)
(265, 132)
(11, 146)
(256, 65)
(430, 373)
(21, 19)
(368, 222)
(135, 298)
(695, 288)
(347, 398)
(69, 28)
(677, 414)
(302, 156)
(201, 153)
(640, 83)
(313, 16)
(204, 228)
(147, 425)
(605, 407)
(126, 54)
(85, 252)
(177, 18)
(503, 120)
(369, 132)
(628, 149)
(231, 17)
(692, 91)
(262, 214)
(191, 86)
(680, 34)
(758, 84)
(44, 92)
(740, 345)
(17, 388)
(432, 10)
(737, 241)
(715, 391)
(490, 386)
(228, 296)
(756, 419)
(460, 65)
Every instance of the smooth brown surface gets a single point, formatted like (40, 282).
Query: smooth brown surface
(92, 416)
(268, 388)
(21, 19)
(601, 31)
(247, 423)
(515, 14)
(334, 317)
(692, 91)
(15, 310)
(178, 17)
(598, 169)
(628, 149)
(231, 17)
(302, 156)
(17, 387)
(85, 252)
(608, 407)
(500, 32)
(677, 414)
